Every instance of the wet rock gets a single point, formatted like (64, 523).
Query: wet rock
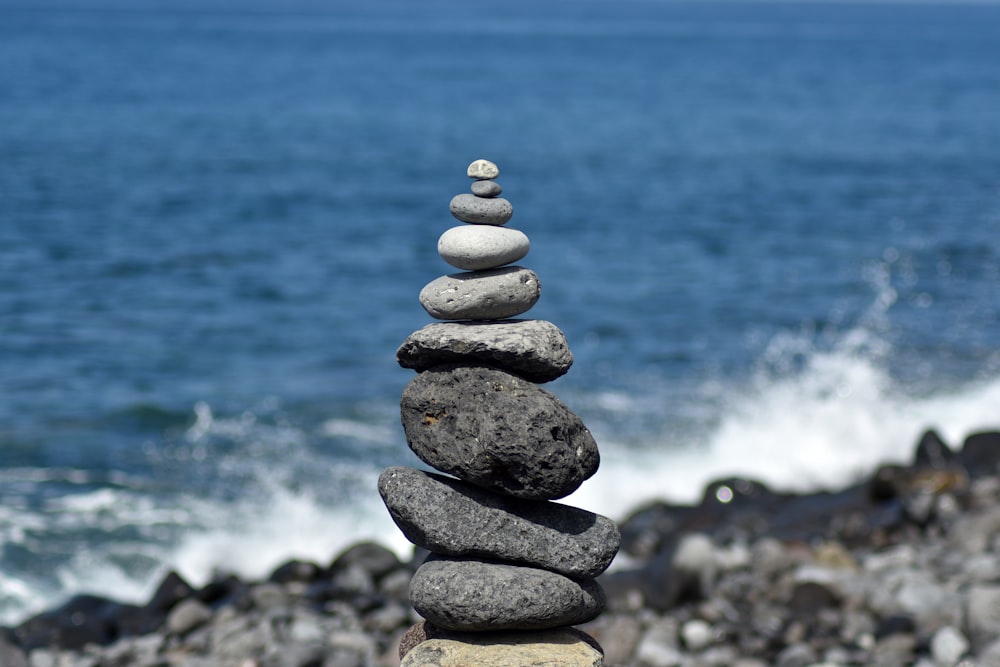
(84, 619)
(497, 431)
(451, 517)
(533, 349)
(465, 595)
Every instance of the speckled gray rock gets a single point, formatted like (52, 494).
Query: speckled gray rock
(480, 247)
(534, 349)
(486, 188)
(481, 210)
(482, 170)
(460, 594)
(562, 647)
(497, 431)
(451, 517)
(495, 294)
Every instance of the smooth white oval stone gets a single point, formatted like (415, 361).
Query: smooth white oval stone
(495, 294)
(479, 247)
(482, 170)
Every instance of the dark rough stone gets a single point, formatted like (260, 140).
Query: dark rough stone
(84, 619)
(295, 571)
(534, 349)
(497, 431)
(809, 597)
(486, 188)
(481, 210)
(933, 452)
(171, 590)
(458, 519)
(981, 453)
(376, 559)
(460, 594)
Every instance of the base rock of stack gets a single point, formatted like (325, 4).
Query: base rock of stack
(551, 648)
(552, 536)
(497, 431)
(495, 294)
(534, 349)
(472, 595)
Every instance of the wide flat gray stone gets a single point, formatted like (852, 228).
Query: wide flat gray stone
(534, 349)
(497, 431)
(461, 594)
(496, 294)
(455, 518)
(565, 647)
(481, 210)
(481, 247)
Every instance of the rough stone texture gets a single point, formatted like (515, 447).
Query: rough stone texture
(486, 188)
(481, 247)
(556, 648)
(471, 595)
(495, 294)
(534, 349)
(481, 210)
(482, 170)
(451, 517)
(422, 631)
(497, 431)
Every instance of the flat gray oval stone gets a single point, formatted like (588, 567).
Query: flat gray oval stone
(460, 594)
(534, 349)
(497, 431)
(481, 247)
(481, 210)
(494, 294)
(486, 188)
(455, 518)
(482, 170)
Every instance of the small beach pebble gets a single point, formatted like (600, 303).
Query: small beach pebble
(486, 188)
(482, 170)
(481, 210)
(479, 247)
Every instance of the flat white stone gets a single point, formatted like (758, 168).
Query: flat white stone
(482, 170)
(479, 247)
(495, 294)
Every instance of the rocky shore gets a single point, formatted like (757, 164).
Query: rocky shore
(901, 568)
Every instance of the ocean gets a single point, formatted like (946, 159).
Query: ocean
(769, 230)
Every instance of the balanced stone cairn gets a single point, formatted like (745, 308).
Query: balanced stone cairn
(508, 570)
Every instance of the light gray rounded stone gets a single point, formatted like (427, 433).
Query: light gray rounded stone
(497, 431)
(495, 294)
(481, 210)
(486, 188)
(482, 170)
(455, 518)
(534, 349)
(480, 247)
(462, 594)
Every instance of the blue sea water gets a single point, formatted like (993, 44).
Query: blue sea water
(769, 230)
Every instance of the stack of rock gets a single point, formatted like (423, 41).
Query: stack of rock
(509, 570)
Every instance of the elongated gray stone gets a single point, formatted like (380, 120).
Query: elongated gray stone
(534, 349)
(565, 647)
(455, 518)
(495, 294)
(481, 210)
(497, 431)
(463, 594)
(486, 188)
(480, 247)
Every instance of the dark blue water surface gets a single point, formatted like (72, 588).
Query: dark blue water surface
(215, 218)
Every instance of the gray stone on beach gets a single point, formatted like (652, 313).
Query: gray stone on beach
(480, 247)
(495, 294)
(455, 518)
(486, 188)
(534, 349)
(482, 170)
(461, 594)
(497, 431)
(481, 210)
